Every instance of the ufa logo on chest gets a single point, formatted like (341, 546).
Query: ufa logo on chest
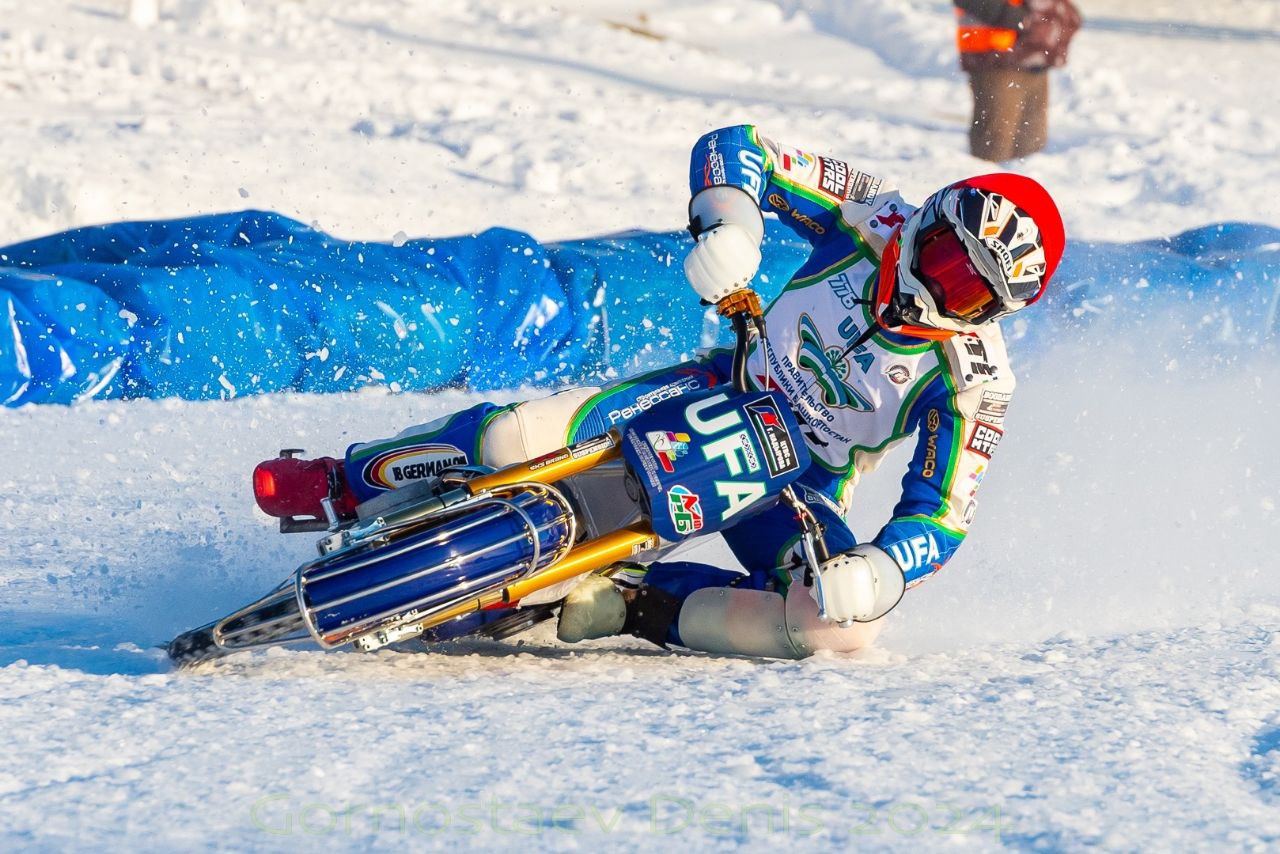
(830, 368)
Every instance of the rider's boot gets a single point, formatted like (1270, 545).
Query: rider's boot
(594, 608)
(602, 606)
(292, 488)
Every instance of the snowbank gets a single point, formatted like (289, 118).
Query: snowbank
(914, 38)
(234, 304)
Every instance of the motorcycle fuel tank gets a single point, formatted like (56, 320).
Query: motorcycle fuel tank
(708, 461)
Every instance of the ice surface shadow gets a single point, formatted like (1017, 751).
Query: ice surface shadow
(538, 647)
(534, 646)
(113, 620)
(74, 642)
(1263, 765)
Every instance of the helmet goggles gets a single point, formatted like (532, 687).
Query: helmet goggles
(943, 265)
(962, 256)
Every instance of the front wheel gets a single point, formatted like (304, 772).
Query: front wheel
(271, 621)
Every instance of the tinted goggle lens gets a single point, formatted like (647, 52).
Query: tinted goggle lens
(957, 288)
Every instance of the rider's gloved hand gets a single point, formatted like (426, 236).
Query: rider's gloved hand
(725, 260)
(728, 225)
(858, 586)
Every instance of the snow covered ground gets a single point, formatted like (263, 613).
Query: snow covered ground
(1098, 666)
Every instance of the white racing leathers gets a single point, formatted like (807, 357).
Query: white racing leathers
(858, 402)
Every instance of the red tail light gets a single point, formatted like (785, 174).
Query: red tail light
(289, 486)
(264, 483)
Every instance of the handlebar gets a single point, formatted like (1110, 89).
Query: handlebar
(743, 309)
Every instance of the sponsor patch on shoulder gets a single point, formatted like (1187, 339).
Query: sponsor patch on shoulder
(887, 218)
(795, 160)
(980, 367)
(985, 439)
(864, 188)
(833, 177)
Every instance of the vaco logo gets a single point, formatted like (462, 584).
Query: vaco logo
(394, 469)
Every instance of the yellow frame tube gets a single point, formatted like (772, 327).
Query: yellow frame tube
(595, 554)
(551, 467)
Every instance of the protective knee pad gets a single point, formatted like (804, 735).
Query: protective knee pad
(532, 428)
(810, 634)
(727, 621)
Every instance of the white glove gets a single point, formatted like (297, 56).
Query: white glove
(727, 254)
(724, 260)
(857, 586)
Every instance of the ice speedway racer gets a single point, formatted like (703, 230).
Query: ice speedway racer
(496, 518)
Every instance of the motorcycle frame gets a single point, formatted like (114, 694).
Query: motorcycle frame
(744, 311)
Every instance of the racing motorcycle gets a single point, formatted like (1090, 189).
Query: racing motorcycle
(460, 554)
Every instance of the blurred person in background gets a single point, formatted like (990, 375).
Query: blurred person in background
(1007, 48)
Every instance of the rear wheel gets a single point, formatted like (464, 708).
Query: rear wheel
(518, 621)
(195, 646)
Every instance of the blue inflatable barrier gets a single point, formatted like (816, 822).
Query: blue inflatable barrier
(1217, 283)
(234, 304)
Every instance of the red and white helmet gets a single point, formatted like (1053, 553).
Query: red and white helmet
(975, 251)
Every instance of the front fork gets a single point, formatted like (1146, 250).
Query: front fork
(747, 318)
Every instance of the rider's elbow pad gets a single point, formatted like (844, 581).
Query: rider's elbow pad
(890, 581)
(726, 204)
